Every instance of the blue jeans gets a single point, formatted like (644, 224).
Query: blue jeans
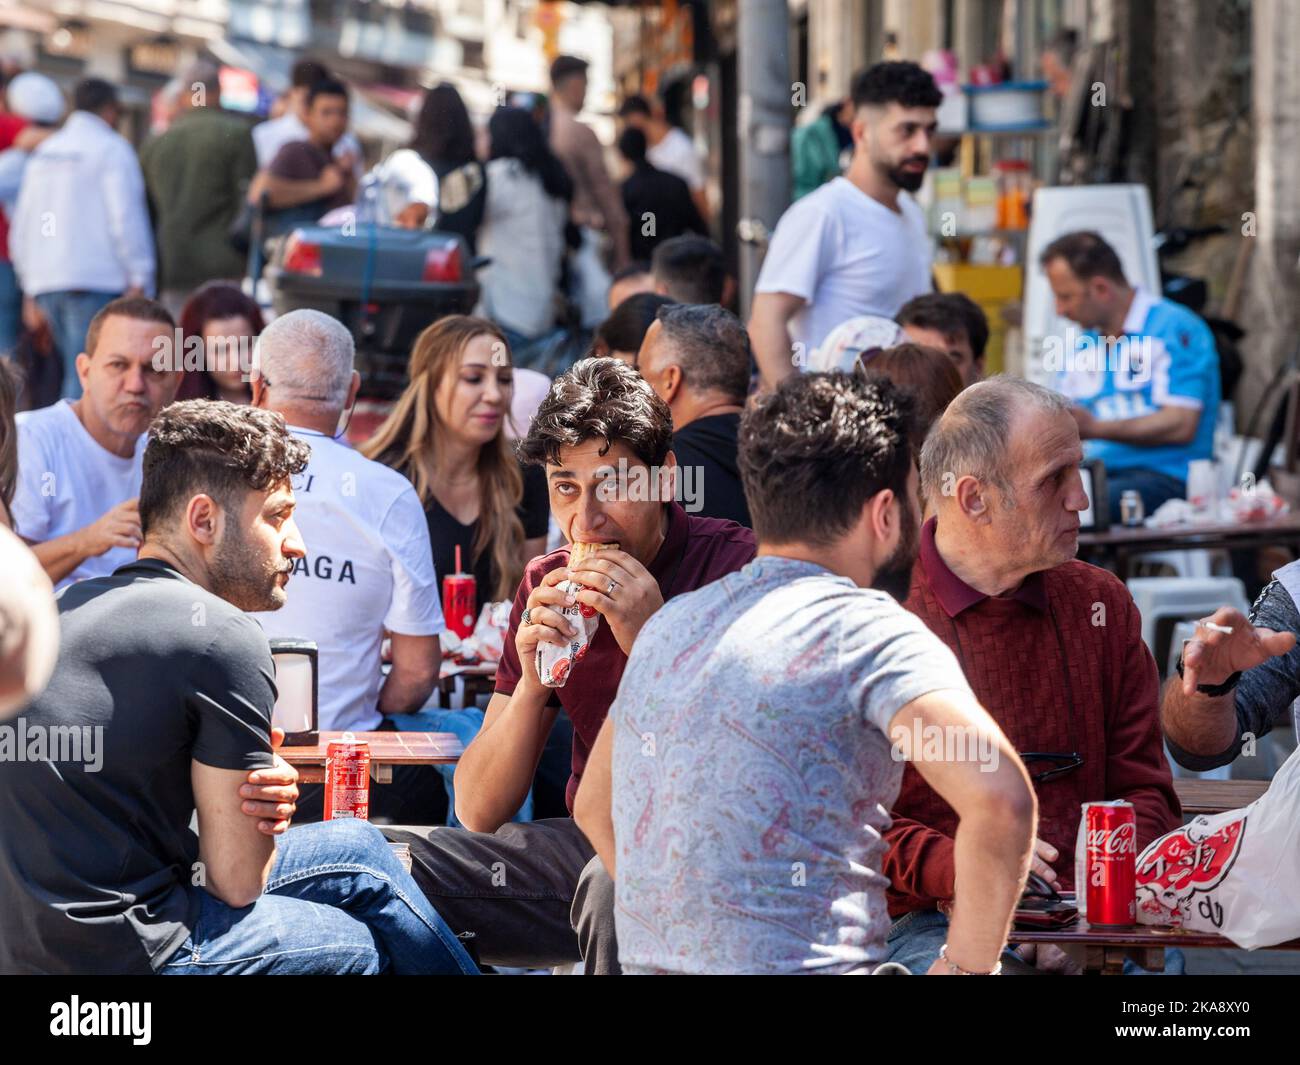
(465, 724)
(915, 939)
(11, 310)
(337, 901)
(1153, 486)
(69, 315)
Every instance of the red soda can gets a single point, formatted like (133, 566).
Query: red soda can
(1108, 844)
(459, 603)
(347, 779)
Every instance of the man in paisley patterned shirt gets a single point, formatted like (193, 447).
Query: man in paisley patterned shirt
(739, 788)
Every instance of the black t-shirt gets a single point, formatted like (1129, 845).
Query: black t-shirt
(708, 447)
(667, 197)
(445, 532)
(96, 852)
(462, 196)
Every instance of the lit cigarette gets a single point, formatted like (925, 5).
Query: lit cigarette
(1215, 627)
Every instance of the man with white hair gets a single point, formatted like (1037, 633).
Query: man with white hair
(368, 568)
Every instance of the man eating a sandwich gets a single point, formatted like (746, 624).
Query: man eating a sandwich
(534, 894)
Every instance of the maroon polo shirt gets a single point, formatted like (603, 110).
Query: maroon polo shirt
(1060, 665)
(696, 551)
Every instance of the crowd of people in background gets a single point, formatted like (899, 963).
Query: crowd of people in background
(836, 471)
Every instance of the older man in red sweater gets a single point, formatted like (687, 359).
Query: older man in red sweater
(1051, 646)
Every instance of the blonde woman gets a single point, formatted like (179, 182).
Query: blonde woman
(447, 434)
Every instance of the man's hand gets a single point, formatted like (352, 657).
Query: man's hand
(628, 602)
(332, 179)
(271, 794)
(120, 527)
(545, 624)
(1084, 419)
(346, 161)
(1044, 852)
(1212, 657)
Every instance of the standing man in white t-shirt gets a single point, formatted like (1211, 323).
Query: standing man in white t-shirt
(668, 147)
(369, 566)
(855, 246)
(79, 461)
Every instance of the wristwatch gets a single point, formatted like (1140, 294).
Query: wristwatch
(1212, 689)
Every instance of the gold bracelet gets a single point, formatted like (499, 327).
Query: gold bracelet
(957, 970)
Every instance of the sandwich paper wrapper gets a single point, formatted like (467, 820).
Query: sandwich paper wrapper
(553, 661)
(1236, 874)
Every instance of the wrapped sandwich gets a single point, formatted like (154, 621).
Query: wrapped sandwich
(554, 661)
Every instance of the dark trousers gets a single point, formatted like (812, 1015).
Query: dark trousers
(530, 895)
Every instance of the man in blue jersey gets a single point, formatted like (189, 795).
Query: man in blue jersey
(1144, 376)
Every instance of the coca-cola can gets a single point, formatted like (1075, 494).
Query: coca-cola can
(1105, 881)
(460, 603)
(347, 779)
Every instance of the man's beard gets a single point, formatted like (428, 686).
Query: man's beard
(895, 576)
(907, 180)
(243, 579)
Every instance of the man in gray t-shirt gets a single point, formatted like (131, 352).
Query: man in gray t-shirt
(740, 788)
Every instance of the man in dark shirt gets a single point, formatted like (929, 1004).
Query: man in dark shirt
(160, 706)
(534, 893)
(659, 204)
(696, 358)
(304, 178)
(197, 175)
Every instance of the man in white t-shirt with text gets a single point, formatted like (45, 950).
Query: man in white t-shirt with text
(856, 246)
(368, 570)
(79, 461)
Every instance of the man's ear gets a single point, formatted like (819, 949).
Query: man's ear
(258, 388)
(353, 389)
(883, 518)
(971, 497)
(671, 382)
(83, 370)
(203, 519)
(669, 473)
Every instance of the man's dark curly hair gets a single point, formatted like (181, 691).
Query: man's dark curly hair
(599, 399)
(220, 449)
(895, 82)
(816, 449)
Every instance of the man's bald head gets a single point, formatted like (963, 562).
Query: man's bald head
(976, 435)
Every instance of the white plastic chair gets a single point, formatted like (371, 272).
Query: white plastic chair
(1182, 599)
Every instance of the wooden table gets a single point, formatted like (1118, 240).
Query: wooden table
(472, 681)
(1216, 796)
(1103, 950)
(387, 749)
(1118, 544)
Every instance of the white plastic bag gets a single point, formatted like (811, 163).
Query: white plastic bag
(1235, 873)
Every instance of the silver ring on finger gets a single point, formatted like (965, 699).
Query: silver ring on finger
(610, 590)
(526, 617)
